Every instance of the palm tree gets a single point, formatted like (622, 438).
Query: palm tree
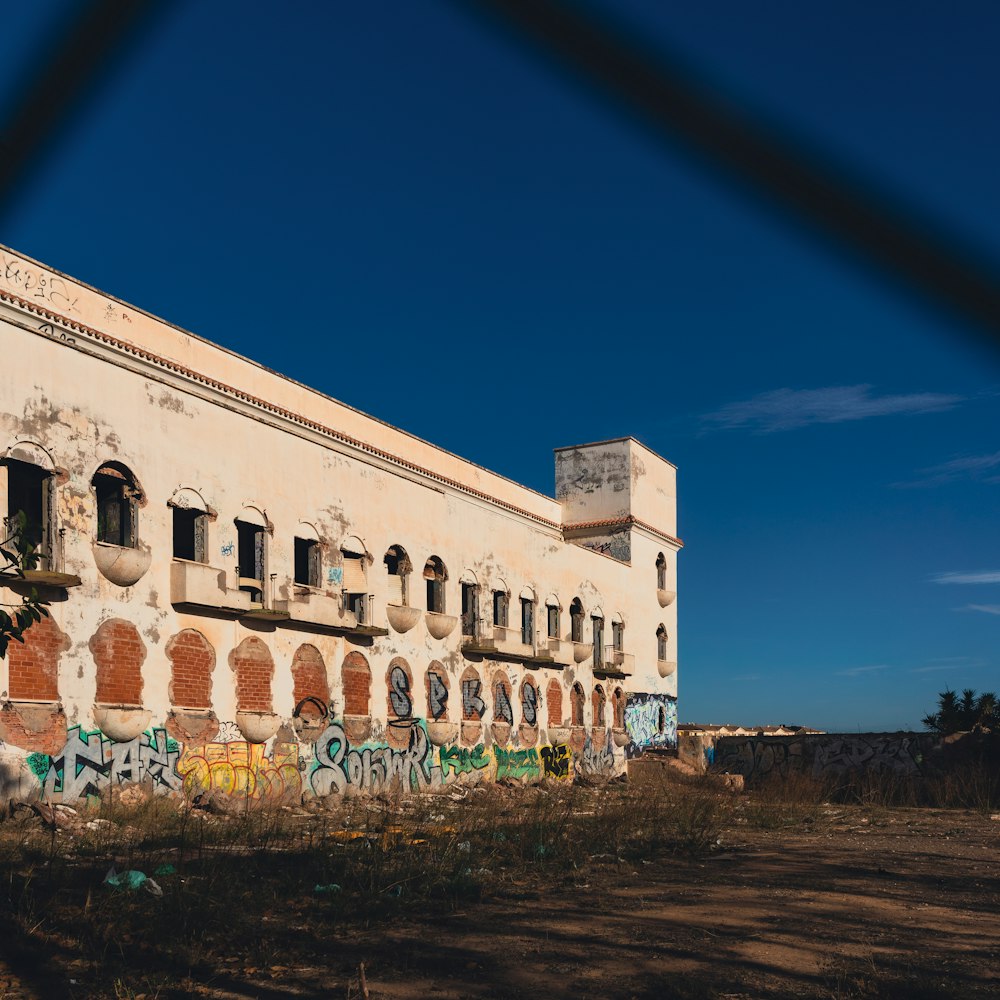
(955, 715)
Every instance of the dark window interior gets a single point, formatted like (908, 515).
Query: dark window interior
(470, 608)
(307, 562)
(250, 553)
(115, 509)
(189, 534)
(553, 622)
(27, 493)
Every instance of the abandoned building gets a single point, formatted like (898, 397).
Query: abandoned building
(257, 589)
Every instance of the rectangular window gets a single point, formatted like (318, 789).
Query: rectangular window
(189, 534)
(307, 562)
(28, 489)
(598, 624)
(527, 622)
(618, 636)
(358, 605)
(250, 552)
(500, 608)
(470, 608)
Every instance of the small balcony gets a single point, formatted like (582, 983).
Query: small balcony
(499, 642)
(561, 651)
(346, 614)
(202, 586)
(614, 663)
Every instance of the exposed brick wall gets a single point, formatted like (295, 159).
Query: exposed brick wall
(34, 665)
(576, 702)
(618, 700)
(252, 663)
(599, 702)
(554, 697)
(309, 680)
(192, 660)
(357, 678)
(37, 729)
(118, 651)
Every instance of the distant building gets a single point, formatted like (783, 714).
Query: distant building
(258, 589)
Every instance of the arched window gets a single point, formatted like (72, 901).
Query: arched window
(473, 705)
(576, 702)
(398, 568)
(435, 575)
(576, 620)
(529, 702)
(554, 698)
(356, 678)
(503, 711)
(661, 572)
(661, 643)
(399, 687)
(618, 705)
(600, 701)
(118, 499)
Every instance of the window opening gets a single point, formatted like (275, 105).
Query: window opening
(661, 572)
(501, 604)
(116, 507)
(250, 553)
(190, 527)
(598, 626)
(527, 621)
(576, 705)
(470, 608)
(29, 493)
(553, 615)
(600, 701)
(661, 643)
(434, 576)
(661, 720)
(397, 566)
(307, 562)
(618, 636)
(355, 585)
(576, 620)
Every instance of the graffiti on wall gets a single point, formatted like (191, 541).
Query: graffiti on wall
(241, 768)
(823, 754)
(650, 721)
(90, 762)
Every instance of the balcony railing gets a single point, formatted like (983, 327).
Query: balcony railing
(615, 661)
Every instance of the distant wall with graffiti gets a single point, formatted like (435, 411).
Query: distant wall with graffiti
(651, 723)
(827, 754)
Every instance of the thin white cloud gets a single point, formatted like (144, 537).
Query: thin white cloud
(934, 667)
(858, 671)
(980, 576)
(975, 468)
(988, 609)
(786, 409)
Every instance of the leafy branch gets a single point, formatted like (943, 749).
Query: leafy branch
(17, 557)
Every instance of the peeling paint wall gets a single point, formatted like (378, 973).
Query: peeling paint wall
(136, 678)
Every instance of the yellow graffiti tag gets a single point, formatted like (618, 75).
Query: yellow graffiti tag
(241, 769)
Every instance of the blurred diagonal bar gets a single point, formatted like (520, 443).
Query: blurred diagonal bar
(897, 238)
(61, 79)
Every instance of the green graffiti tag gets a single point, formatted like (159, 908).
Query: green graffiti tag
(39, 764)
(517, 763)
(461, 760)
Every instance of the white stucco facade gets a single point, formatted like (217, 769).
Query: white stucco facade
(175, 478)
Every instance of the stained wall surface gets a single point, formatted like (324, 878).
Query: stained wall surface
(241, 659)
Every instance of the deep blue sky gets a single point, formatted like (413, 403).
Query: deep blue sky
(396, 205)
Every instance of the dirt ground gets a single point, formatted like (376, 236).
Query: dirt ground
(903, 903)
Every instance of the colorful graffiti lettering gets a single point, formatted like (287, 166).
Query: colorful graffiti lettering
(651, 721)
(90, 761)
(556, 760)
(516, 763)
(242, 769)
(370, 768)
(597, 759)
(461, 760)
